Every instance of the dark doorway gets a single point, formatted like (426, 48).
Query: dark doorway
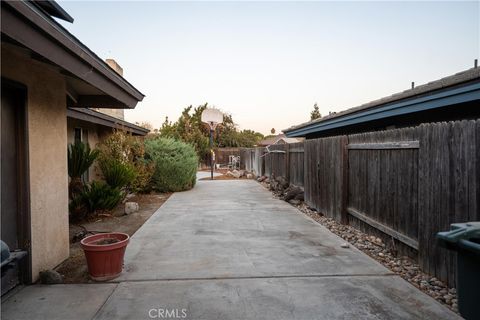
(14, 190)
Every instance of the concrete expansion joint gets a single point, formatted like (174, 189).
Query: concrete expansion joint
(298, 276)
(106, 300)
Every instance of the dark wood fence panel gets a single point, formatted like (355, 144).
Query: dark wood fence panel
(296, 163)
(417, 192)
(324, 175)
(449, 188)
(277, 157)
(383, 183)
(310, 170)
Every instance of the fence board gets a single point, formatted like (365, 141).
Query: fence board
(296, 164)
(324, 175)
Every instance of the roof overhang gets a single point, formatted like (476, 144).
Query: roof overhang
(102, 119)
(442, 98)
(25, 24)
(53, 9)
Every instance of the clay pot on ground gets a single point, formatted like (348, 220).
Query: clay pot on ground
(104, 253)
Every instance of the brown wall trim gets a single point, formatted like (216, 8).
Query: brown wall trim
(105, 120)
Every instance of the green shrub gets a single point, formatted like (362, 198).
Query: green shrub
(128, 150)
(175, 164)
(116, 174)
(96, 196)
(144, 170)
(80, 158)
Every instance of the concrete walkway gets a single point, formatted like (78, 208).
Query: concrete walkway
(228, 250)
(206, 174)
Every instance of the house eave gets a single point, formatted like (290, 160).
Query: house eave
(102, 119)
(28, 26)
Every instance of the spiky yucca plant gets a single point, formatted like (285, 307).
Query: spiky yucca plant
(116, 174)
(80, 158)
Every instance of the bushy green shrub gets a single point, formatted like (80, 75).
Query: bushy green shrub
(175, 164)
(144, 170)
(117, 174)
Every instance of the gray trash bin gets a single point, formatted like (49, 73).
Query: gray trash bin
(464, 238)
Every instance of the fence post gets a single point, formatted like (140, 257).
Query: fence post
(287, 162)
(344, 213)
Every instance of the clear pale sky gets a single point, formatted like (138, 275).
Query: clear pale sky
(267, 63)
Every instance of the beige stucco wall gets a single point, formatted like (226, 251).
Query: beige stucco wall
(47, 143)
(117, 113)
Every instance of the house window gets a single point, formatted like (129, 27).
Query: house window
(77, 134)
(80, 135)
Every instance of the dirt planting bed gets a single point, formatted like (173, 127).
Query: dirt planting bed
(74, 269)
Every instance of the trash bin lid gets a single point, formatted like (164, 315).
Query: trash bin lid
(461, 231)
(5, 251)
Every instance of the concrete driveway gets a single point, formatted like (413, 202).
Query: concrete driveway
(228, 250)
(206, 174)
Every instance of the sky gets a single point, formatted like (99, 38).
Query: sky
(267, 63)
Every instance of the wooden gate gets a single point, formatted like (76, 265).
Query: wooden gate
(383, 186)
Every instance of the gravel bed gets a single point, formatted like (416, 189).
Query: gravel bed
(376, 248)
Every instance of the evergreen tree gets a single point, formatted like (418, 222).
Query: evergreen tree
(315, 114)
(190, 129)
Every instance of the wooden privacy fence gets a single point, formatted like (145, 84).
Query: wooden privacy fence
(403, 184)
(285, 160)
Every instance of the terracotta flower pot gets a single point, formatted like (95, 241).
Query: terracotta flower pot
(104, 253)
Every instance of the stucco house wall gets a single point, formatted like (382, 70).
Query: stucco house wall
(47, 146)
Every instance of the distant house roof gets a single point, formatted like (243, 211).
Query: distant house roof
(281, 138)
(90, 81)
(458, 88)
(105, 120)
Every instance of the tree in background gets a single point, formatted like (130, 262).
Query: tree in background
(315, 114)
(189, 128)
(272, 131)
